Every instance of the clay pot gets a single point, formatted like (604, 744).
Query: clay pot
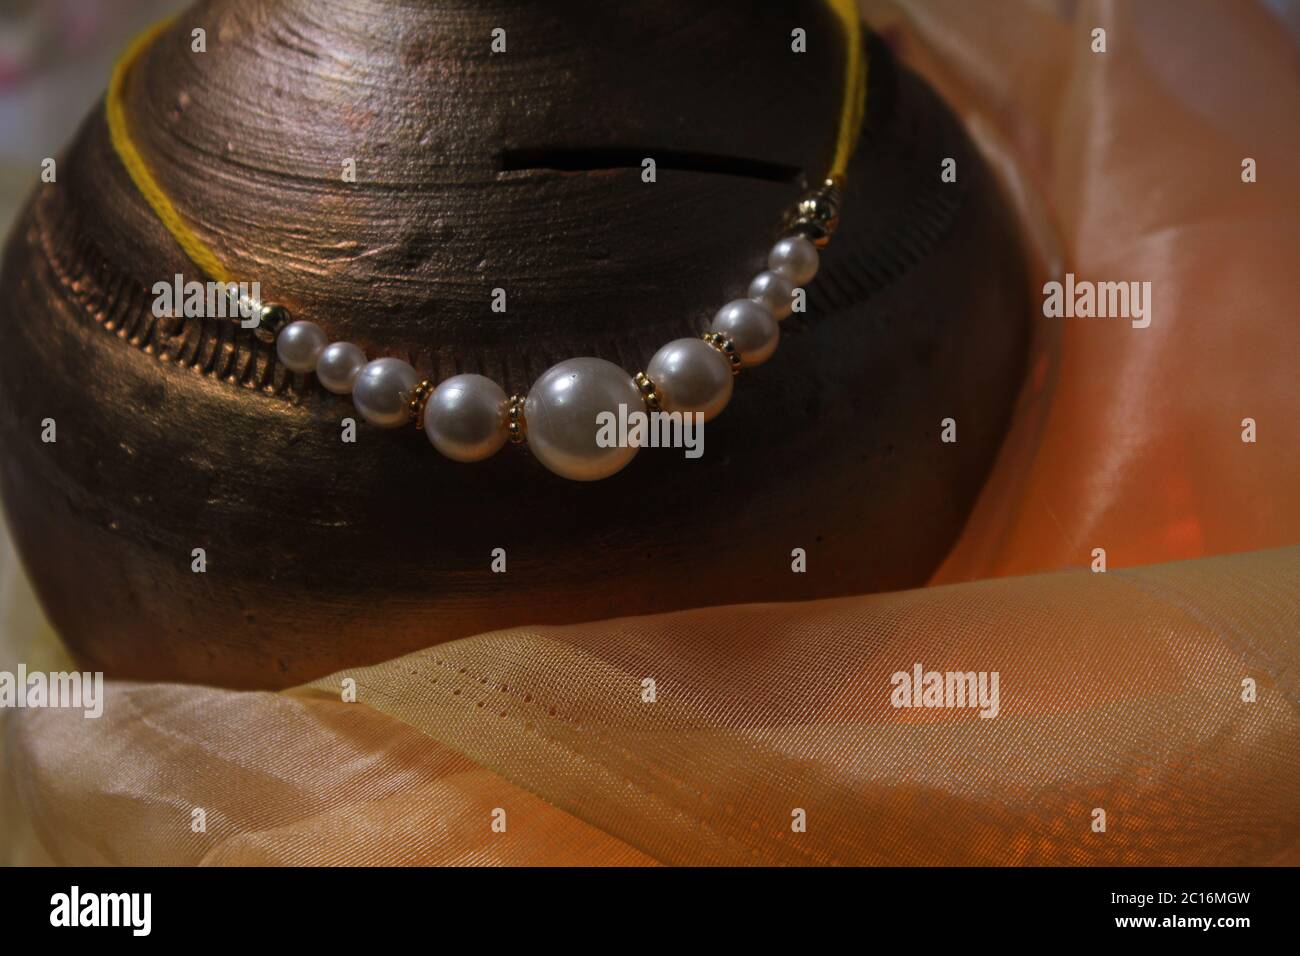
(476, 171)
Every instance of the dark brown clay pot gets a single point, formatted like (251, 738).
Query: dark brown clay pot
(322, 554)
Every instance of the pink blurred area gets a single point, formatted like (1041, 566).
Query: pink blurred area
(55, 57)
(37, 37)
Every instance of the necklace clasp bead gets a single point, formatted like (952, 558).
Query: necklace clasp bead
(270, 320)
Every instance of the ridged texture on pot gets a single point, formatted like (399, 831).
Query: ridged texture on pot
(321, 554)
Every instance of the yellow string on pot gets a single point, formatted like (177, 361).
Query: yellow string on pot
(138, 169)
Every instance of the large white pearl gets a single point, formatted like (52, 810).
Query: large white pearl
(382, 390)
(465, 417)
(750, 327)
(338, 366)
(795, 258)
(561, 417)
(299, 344)
(774, 291)
(690, 375)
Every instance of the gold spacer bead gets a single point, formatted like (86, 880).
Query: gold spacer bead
(517, 426)
(419, 398)
(726, 347)
(648, 391)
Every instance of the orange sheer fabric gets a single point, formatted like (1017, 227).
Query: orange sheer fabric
(1137, 154)
(1118, 691)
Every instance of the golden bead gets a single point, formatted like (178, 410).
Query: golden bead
(812, 230)
(270, 320)
(517, 425)
(648, 391)
(419, 398)
(817, 214)
(726, 347)
(819, 209)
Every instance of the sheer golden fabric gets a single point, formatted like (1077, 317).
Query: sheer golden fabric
(1120, 691)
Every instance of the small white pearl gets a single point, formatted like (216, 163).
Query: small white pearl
(750, 327)
(561, 417)
(774, 291)
(299, 344)
(465, 417)
(795, 258)
(690, 375)
(338, 366)
(382, 390)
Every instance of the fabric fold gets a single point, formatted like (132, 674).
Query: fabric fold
(1164, 697)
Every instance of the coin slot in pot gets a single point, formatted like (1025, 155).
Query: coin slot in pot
(591, 160)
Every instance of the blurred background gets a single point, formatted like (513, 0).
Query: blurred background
(55, 57)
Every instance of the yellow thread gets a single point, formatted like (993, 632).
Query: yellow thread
(854, 103)
(120, 134)
(852, 109)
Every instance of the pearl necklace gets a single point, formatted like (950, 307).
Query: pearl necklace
(469, 417)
